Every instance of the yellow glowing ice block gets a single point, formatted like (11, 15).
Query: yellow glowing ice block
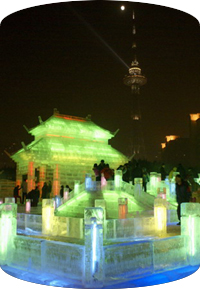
(160, 215)
(47, 216)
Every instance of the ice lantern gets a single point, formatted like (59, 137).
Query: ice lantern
(160, 215)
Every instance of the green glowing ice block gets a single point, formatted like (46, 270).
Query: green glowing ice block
(190, 228)
(94, 270)
(8, 228)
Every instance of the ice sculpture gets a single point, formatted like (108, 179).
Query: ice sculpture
(160, 215)
(190, 228)
(64, 149)
(94, 269)
(8, 228)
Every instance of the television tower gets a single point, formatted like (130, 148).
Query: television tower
(135, 80)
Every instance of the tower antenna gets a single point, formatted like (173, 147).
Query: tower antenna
(135, 79)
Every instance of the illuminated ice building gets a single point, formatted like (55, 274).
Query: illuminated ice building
(65, 148)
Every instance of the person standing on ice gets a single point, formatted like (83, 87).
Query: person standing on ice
(97, 172)
(183, 194)
(16, 194)
(45, 191)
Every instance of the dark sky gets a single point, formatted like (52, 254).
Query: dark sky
(58, 56)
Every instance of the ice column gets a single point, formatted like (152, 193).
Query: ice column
(138, 186)
(76, 187)
(56, 180)
(94, 260)
(88, 182)
(28, 206)
(47, 216)
(57, 202)
(31, 176)
(118, 180)
(160, 215)
(66, 195)
(123, 208)
(8, 228)
(153, 182)
(190, 228)
(101, 204)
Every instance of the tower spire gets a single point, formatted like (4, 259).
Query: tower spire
(135, 79)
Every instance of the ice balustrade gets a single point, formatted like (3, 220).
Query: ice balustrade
(94, 263)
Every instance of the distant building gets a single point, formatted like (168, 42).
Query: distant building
(65, 148)
(184, 150)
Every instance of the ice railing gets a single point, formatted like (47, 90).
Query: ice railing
(94, 263)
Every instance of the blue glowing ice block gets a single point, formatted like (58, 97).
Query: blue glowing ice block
(8, 228)
(94, 270)
(190, 228)
(88, 182)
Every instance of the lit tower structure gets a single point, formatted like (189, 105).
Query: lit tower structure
(135, 80)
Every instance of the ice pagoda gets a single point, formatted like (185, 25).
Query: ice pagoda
(64, 149)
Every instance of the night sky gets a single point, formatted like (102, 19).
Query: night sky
(64, 56)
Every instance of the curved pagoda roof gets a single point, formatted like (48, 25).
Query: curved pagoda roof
(70, 127)
(63, 138)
